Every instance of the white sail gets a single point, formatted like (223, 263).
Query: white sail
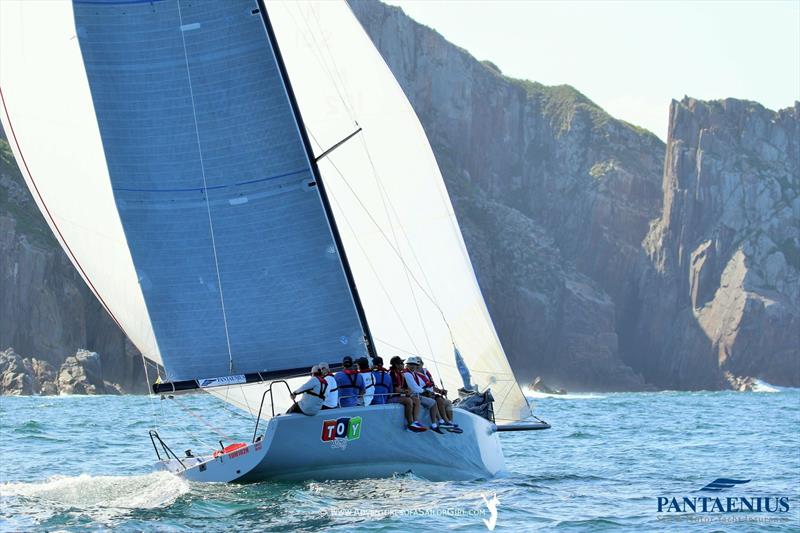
(400, 232)
(47, 114)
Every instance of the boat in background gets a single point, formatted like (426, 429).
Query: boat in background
(247, 191)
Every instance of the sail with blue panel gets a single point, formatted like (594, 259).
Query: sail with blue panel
(217, 196)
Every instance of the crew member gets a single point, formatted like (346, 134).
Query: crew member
(350, 383)
(440, 395)
(417, 382)
(382, 380)
(313, 392)
(332, 394)
(401, 396)
(365, 373)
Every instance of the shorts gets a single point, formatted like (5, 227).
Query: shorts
(426, 402)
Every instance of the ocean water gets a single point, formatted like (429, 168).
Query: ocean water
(85, 463)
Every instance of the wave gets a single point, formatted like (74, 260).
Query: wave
(763, 386)
(532, 394)
(102, 492)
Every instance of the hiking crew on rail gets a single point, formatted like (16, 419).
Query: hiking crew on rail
(407, 383)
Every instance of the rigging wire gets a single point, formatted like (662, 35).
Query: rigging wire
(383, 194)
(377, 277)
(150, 394)
(389, 242)
(316, 50)
(366, 255)
(331, 69)
(198, 417)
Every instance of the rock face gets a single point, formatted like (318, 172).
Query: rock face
(46, 310)
(556, 198)
(15, 376)
(723, 293)
(81, 374)
(553, 195)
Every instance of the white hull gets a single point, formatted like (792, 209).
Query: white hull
(298, 448)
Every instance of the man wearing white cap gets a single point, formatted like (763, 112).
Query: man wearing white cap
(313, 392)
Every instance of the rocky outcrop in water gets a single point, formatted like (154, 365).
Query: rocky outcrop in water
(81, 373)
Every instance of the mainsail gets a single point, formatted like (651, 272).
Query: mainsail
(191, 206)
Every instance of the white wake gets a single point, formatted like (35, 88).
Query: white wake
(102, 492)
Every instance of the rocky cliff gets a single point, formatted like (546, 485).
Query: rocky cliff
(46, 311)
(605, 264)
(556, 200)
(551, 167)
(723, 293)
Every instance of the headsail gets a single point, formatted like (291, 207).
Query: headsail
(398, 225)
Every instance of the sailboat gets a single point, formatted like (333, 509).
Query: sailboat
(247, 191)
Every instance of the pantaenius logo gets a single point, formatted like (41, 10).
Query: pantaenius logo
(761, 503)
(342, 430)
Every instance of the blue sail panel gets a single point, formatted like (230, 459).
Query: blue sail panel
(223, 218)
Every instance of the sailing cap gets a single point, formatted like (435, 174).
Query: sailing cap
(324, 366)
(413, 360)
(315, 369)
(396, 359)
(377, 361)
(347, 361)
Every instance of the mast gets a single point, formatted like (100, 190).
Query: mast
(318, 178)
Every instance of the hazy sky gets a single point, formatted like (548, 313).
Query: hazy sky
(630, 57)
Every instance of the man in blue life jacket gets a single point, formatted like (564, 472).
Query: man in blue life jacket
(350, 383)
(383, 382)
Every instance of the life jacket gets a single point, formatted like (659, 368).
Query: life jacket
(323, 386)
(368, 371)
(415, 375)
(352, 379)
(428, 375)
(332, 395)
(397, 379)
(369, 386)
(383, 385)
(348, 387)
